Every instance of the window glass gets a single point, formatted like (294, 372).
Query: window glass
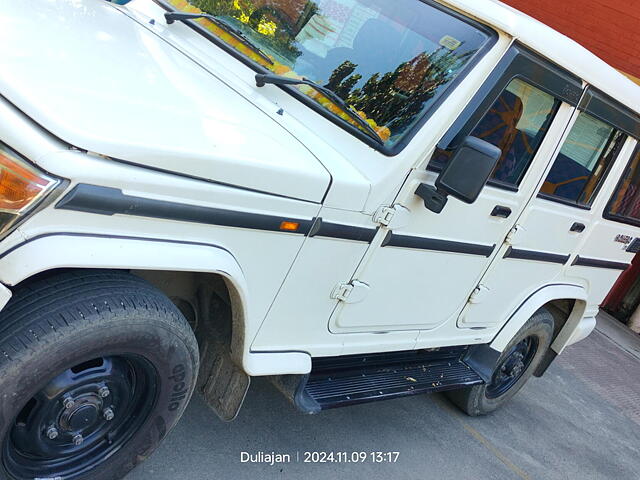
(516, 123)
(390, 60)
(583, 161)
(626, 201)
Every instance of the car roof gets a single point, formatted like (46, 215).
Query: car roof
(555, 46)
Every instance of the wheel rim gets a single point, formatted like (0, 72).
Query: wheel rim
(512, 367)
(81, 418)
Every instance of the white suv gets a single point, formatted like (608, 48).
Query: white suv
(360, 199)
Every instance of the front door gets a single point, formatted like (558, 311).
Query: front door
(421, 275)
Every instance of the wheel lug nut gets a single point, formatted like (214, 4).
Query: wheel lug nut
(52, 432)
(77, 440)
(104, 392)
(68, 402)
(108, 414)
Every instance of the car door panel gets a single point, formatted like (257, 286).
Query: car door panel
(610, 245)
(421, 275)
(556, 224)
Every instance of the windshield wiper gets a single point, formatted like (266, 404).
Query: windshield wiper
(171, 17)
(264, 78)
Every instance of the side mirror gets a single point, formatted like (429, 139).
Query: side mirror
(464, 176)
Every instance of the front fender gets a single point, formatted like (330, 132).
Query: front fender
(79, 250)
(85, 250)
(538, 299)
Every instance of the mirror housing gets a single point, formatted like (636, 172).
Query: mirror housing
(469, 169)
(464, 176)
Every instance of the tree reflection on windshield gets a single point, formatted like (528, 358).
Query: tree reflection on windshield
(389, 60)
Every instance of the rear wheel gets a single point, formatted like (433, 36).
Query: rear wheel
(97, 368)
(515, 366)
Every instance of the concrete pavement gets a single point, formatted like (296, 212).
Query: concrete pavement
(580, 421)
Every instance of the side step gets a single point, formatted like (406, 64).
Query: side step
(348, 380)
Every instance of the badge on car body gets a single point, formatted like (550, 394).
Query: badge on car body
(626, 239)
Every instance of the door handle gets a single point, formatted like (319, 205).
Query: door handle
(500, 211)
(577, 227)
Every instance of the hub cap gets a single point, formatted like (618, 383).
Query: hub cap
(512, 367)
(80, 418)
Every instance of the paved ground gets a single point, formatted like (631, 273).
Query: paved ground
(580, 421)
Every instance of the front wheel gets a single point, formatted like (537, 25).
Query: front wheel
(515, 366)
(97, 367)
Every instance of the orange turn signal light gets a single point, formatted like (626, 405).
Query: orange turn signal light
(20, 185)
(289, 226)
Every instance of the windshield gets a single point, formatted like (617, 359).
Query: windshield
(389, 60)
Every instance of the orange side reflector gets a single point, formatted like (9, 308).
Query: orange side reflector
(289, 226)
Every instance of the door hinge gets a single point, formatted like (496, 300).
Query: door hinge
(395, 216)
(353, 292)
(479, 294)
(514, 235)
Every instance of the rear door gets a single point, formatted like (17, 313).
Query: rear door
(561, 216)
(421, 274)
(615, 237)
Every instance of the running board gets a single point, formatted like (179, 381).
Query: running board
(349, 380)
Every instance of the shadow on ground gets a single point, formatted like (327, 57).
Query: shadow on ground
(570, 424)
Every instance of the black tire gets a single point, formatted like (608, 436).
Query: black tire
(485, 398)
(106, 339)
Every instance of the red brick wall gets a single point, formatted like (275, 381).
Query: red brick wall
(609, 28)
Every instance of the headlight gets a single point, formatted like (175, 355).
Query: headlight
(22, 187)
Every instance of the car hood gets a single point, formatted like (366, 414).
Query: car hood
(98, 80)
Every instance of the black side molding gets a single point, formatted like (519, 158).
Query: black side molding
(111, 201)
(422, 243)
(593, 262)
(634, 246)
(536, 256)
(341, 231)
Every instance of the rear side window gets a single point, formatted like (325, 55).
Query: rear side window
(516, 123)
(583, 162)
(625, 203)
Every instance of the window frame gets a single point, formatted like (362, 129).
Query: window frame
(501, 184)
(603, 179)
(519, 62)
(389, 151)
(604, 108)
(607, 210)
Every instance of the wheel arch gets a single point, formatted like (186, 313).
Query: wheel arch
(155, 260)
(156, 257)
(567, 304)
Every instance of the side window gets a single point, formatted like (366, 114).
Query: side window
(583, 162)
(516, 123)
(625, 203)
